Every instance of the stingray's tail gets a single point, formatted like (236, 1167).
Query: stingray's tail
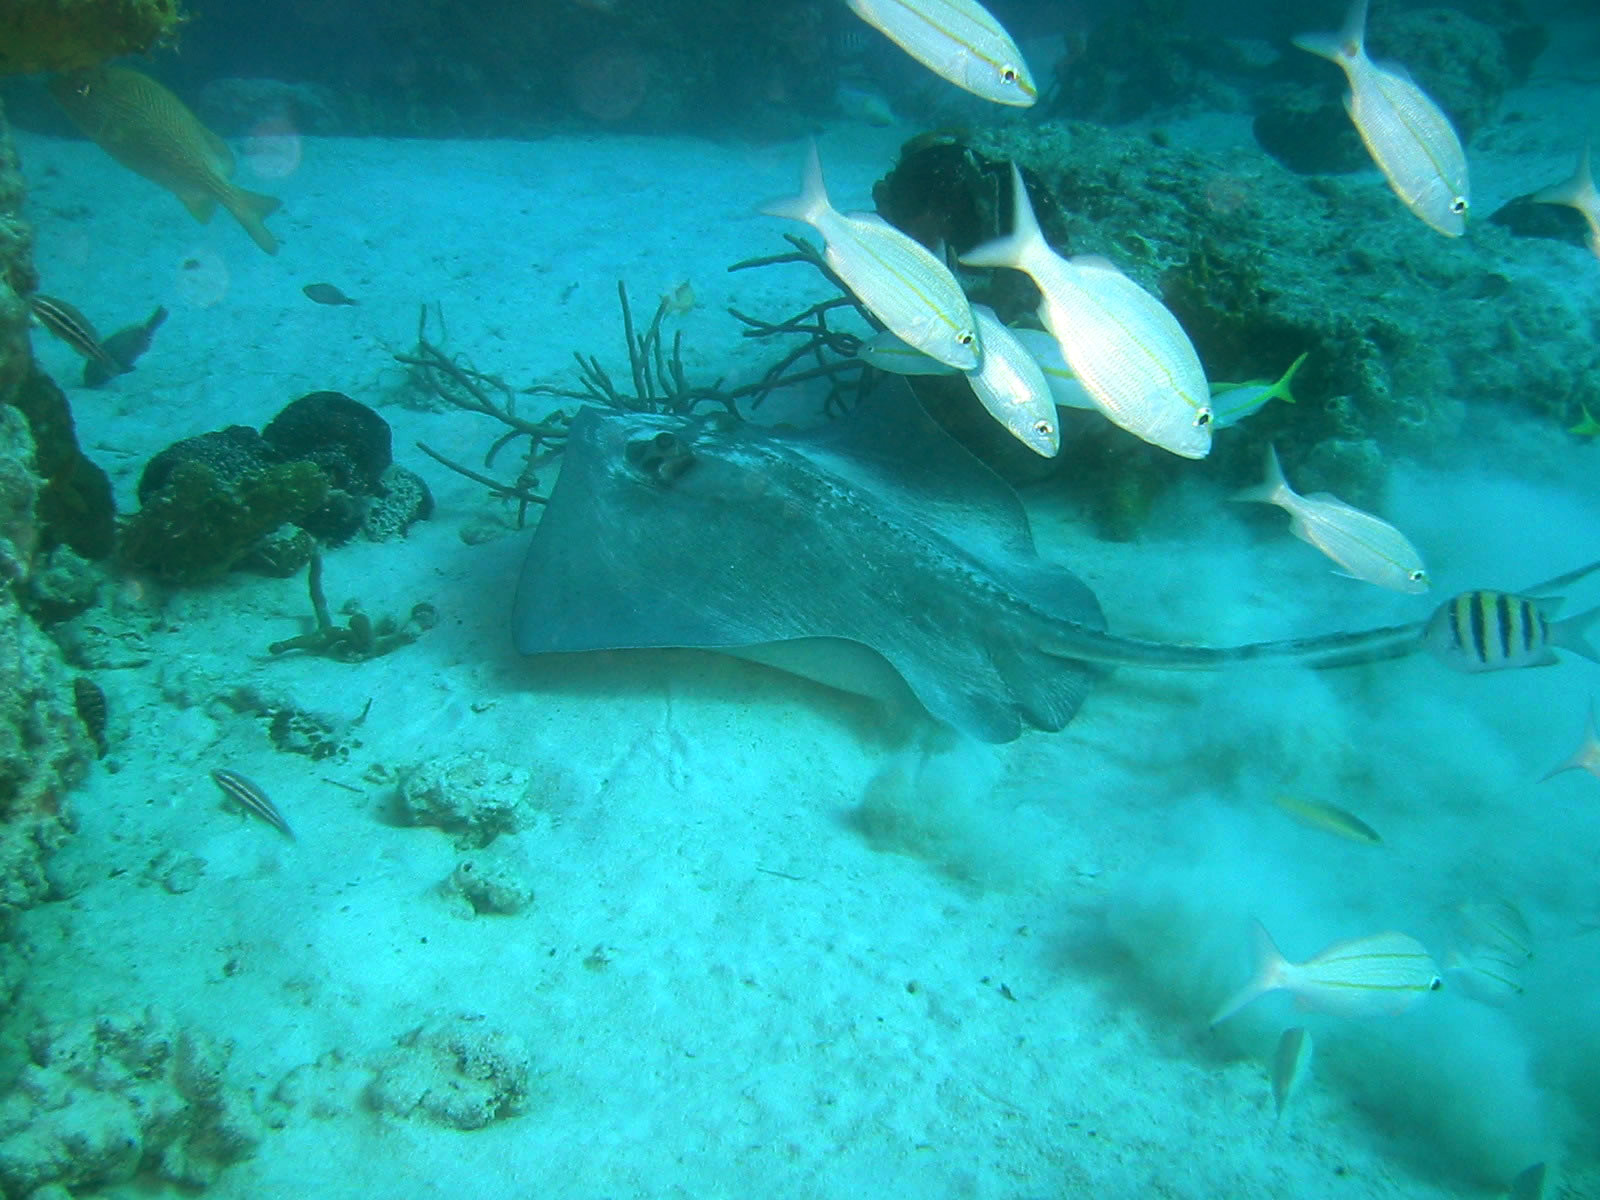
(1329, 650)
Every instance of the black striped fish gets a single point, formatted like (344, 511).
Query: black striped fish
(1486, 630)
(248, 796)
(73, 328)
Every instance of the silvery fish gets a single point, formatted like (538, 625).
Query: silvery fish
(895, 277)
(1487, 630)
(1064, 385)
(958, 40)
(1578, 192)
(1587, 756)
(149, 130)
(1233, 402)
(1012, 388)
(1289, 1065)
(1366, 546)
(886, 352)
(1490, 948)
(1407, 135)
(1127, 350)
(1372, 976)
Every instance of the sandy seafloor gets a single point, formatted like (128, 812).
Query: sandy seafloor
(725, 987)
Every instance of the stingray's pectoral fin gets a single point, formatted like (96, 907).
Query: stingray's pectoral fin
(1046, 689)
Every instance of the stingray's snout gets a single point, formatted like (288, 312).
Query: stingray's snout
(662, 456)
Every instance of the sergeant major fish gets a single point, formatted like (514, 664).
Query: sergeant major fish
(897, 278)
(958, 40)
(149, 130)
(1407, 134)
(1366, 546)
(1486, 630)
(1127, 350)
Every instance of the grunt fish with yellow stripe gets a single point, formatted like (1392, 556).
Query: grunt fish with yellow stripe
(149, 130)
(958, 40)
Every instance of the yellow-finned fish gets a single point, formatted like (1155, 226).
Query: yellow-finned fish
(1366, 546)
(886, 352)
(1290, 1063)
(1578, 192)
(896, 277)
(1407, 134)
(148, 130)
(1233, 402)
(1127, 350)
(958, 40)
(1010, 385)
(1486, 630)
(1327, 817)
(1372, 976)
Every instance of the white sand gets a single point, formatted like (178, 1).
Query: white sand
(782, 1007)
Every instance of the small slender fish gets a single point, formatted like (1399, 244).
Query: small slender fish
(1289, 1065)
(894, 276)
(1233, 402)
(251, 798)
(1365, 546)
(959, 41)
(1127, 350)
(1372, 976)
(1407, 134)
(1578, 192)
(1328, 818)
(1498, 631)
(124, 347)
(1586, 757)
(1010, 385)
(326, 293)
(73, 328)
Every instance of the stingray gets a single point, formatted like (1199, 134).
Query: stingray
(873, 554)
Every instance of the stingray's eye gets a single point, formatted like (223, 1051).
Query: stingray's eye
(1202, 418)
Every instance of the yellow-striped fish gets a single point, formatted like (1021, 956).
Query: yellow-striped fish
(958, 40)
(1407, 134)
(73, 328)
(1499, 631)
(1578, 192)
(886, 352)
(148, 130)
(1290, 1063)
(1490, 947)
(1127, 350)
(1065, 387)
(1372, 976)
(1233, 402)
(1328, 818)
(1366, 546)
(896, 277)
(1010, 385)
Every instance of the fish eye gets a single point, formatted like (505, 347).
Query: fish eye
(965, 337)
(1202, 418)
(1436, 984)
(1417, 576)
(1043, 427)
(1008, 74)
(1458, 205)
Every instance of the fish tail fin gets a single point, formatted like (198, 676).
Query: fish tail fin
(251, 209)
(1570, 634)
(1575, 191)
(1348, 44)
(1268, 976)
(1283, 390)
(1273, 487)
(813, 197)
(1585, 755)
(1021, 243)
